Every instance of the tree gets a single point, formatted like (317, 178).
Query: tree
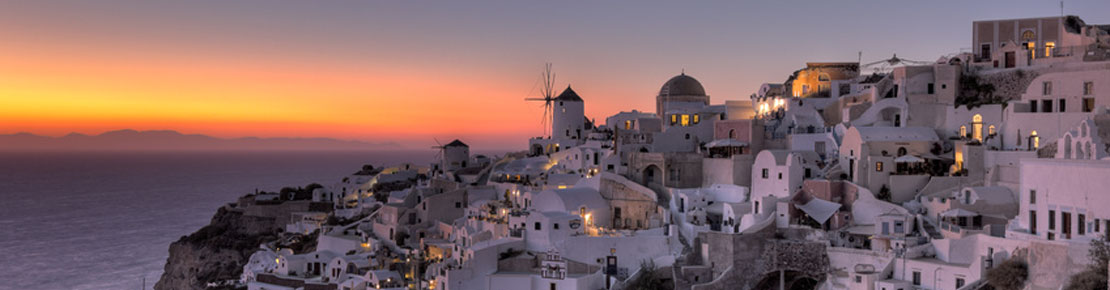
(884, 194)
(1008, 275)
(647, 279)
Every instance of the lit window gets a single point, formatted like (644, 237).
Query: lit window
(697, 118)
(963, 131)
(1048, 47)
(1088, 88)
(685, 120)
(878, 166)
(674, 119)
(990, 130)
(628, 125)
(1036, 140)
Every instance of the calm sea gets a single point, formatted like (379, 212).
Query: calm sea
(105, 220)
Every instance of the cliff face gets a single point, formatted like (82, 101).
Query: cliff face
(216, 252)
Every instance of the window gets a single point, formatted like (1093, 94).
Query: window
(808, 173)
(555, 226)
(780, 175)
(697, 118)
(538, 226)
(674, 119)
(878, 166)
(1046, 88)
(1032, 196)
(628, 125)
(458, 205)
(1088, 105)
(1032, 106)
(685, 120)
(1051, 236)
(1063, 106)
(929, 89)
(1046, 106)
(963, 131)
(991, 131)
(916, 278)
(1051, 220)
(823, 77)
(766, 173)
(1088, 88)
(553, 286)
(960, 283)
(1048, 47)
(1082, 224)
(985, 50)
(859, 279)
(1065, 224)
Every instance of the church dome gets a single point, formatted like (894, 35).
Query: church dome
(682, 85)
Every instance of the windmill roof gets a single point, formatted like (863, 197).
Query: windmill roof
(456, 143)
(569, 95)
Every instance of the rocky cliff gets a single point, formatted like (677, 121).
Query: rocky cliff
(216, 252)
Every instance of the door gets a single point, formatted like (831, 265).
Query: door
(851, 169)
(1010, 59)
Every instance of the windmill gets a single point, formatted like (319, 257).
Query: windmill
(548, 96)
(439, 154)
(886, 65)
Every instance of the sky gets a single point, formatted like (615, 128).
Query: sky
(413, 72)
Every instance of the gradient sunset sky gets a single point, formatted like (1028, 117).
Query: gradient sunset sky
(411, 71)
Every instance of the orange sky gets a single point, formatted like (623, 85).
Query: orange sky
(55, 93)
(409, 71)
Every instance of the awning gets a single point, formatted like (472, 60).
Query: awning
(959, 212)
(819, 209)
(726, 143)
(909, 159)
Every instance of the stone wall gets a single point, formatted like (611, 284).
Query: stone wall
(740, 261)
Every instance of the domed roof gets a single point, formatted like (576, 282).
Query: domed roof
(682, 85)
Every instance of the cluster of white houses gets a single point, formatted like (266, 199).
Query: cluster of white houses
(920, 176)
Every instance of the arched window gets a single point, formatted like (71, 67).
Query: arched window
(977, 127)
(963, 131)
(1035, 140)
(991, 131)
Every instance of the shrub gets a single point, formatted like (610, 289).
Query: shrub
(1094, 277)
(1089, 279)
(1009, 275)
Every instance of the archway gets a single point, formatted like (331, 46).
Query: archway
(537, 150)
(651, 175)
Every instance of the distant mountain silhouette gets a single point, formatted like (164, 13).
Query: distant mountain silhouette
(167, 140)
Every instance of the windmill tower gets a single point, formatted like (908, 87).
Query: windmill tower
(452, 156)
(548, 97)
(568, 116)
